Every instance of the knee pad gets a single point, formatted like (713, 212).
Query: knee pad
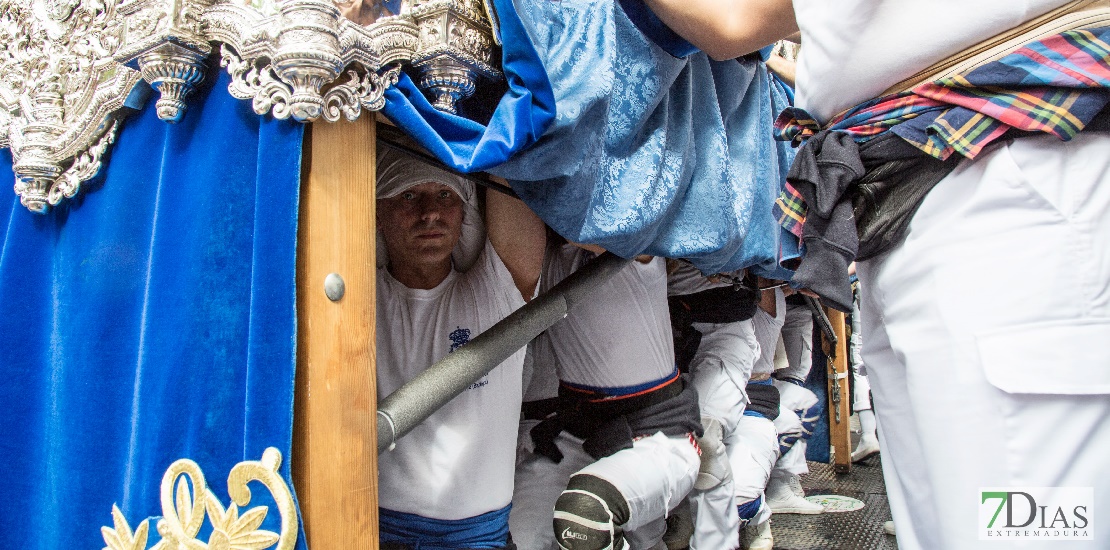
(789, 429)
(589, 515)
(715, 468)
(786, 442)
(809, 418)
(794, 395)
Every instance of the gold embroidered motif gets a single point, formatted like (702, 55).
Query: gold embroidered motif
(121, 537)
(186, 501)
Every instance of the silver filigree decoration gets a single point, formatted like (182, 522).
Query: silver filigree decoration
(84, 166)
(70, 65)
(186, 501)
(286, 60)
(60, 93)
(456, 47)
(359, 92)
(268, 92)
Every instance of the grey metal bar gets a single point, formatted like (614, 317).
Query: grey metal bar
(414, 402)
(823, 323)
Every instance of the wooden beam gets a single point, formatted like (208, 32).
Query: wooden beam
(334, 462)
(839, 433)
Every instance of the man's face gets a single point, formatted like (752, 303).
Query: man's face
(421, 225)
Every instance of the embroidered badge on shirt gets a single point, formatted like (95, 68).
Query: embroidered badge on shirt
(459, 337)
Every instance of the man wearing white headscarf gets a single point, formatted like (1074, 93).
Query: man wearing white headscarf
(448, 483)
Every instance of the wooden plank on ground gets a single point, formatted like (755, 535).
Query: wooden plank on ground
(334, 461)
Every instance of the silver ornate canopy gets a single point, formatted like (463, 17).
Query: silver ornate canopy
(70, 65)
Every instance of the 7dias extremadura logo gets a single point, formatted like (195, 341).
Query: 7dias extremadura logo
(1040, 513)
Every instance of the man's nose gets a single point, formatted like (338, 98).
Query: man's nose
(430, 209)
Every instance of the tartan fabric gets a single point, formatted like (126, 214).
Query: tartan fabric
(1055, 86)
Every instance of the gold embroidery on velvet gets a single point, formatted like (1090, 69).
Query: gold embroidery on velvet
(186, 501)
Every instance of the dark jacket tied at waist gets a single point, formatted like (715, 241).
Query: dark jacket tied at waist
(861, 197)
(856, 183)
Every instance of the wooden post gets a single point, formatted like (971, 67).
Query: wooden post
(334, 462)
(839, 433)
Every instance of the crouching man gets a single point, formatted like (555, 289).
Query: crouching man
(620, 452)
(449, 482)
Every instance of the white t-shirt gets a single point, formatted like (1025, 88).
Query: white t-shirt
(853, 50)
(458, 463)
(621, 335)
(541, 375)
(687, 279)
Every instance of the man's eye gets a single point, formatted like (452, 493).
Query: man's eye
(408, 195)
(445, 194)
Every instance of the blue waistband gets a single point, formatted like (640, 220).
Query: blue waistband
(615, 391)
(488, 530)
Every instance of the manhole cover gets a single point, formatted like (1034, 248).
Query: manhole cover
(836, 503)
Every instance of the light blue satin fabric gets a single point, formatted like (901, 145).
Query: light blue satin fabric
(518, 119)
(612, 140)
(650, 153)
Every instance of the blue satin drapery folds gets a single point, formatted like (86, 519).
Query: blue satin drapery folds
(646, 152)
(150, 320)
(522, 114)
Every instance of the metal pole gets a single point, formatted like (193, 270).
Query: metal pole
(414, 402)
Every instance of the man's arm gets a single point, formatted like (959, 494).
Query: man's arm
(726, 29)
(783, 67)
(518, 236)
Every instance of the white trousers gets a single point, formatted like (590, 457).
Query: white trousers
(794, 401)
(861, 399)
(797, 339)
(986, 340)
(753, 449)
(654, 476)
(721, 370)
(768, 328)
(861, 396)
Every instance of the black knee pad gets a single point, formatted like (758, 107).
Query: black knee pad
(589, 515)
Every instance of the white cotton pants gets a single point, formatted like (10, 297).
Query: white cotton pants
(753, 449)
(721, 370)
(654, 476)
(861, 392)
(985, 336)
(768, 328)
(797, 338)
(794, 401)
(861, 399)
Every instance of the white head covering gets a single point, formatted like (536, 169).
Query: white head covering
(398, 171)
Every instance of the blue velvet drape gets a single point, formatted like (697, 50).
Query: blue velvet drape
(150, 319)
